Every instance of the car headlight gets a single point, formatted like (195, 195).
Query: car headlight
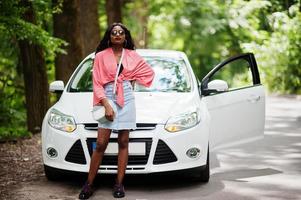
(61, 121)
(182, 122)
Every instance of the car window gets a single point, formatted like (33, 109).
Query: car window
(82, 81)
(171, 75)
(237, 74)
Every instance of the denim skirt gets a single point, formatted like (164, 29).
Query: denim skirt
(125, 117)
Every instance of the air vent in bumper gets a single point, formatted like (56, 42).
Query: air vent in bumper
(76, 154)
(163, 154)
(140, 126)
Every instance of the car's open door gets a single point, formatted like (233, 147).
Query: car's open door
(236, 101)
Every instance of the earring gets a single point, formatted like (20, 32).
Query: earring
(108, 43)
(125, 43)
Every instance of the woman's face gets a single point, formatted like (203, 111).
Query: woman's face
(117, 35)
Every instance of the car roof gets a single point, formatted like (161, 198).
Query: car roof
(155, 53)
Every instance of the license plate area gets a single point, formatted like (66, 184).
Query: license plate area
(135, 148)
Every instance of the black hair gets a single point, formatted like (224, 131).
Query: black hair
(106, 40)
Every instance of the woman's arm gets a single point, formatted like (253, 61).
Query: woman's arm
(143, 73)
(98, 90)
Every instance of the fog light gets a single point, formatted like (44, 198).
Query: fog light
(52, 153)
(193, 152)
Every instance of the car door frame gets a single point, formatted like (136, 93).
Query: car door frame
(205, 92)
(247, 56)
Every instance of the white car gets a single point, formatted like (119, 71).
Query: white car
(178, 118)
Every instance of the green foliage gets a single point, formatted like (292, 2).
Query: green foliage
(13, 133)
(12, 98)
(102, 17)
(210, 31)
(14, 28)
(279, 52)
(12, 24)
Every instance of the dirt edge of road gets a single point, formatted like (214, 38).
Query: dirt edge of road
(20, 161)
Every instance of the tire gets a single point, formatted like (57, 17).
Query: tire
(52, 174)
(203, 174)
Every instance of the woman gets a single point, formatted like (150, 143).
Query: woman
(116, 41)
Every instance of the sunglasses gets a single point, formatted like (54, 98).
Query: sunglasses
(117, 32)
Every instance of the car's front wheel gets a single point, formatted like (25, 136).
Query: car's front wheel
(203, 174)
(52, 174)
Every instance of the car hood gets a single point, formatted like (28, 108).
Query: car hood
(151, 107)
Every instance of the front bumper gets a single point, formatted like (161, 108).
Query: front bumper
(164, 151)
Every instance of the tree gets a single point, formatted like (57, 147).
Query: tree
(137, 16)
(78, 25)
(113, 10)
(24, 45)
(35, 76)
(208, 32)
(67, 27)
(89, 25)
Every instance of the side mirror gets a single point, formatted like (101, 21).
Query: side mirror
(218, 85)
(215, 86)
(56, 87)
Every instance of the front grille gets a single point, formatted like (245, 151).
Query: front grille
(91, 126)
(163, 154)
(145, 126)
(140, 126)
(132, 159)
(128, 168)
(76, 154)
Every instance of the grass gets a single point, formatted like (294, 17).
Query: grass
(12, 133)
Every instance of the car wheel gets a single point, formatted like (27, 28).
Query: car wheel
(203, 174)
(52, 174)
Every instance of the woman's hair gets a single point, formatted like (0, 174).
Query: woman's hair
(106, 40)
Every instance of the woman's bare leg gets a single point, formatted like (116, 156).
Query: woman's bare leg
(123, 143)
(103, 137)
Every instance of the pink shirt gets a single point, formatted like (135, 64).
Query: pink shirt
(105, 68)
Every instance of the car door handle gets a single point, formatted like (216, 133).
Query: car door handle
(254, 98)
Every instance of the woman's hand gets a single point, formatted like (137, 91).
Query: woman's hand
(109, 113)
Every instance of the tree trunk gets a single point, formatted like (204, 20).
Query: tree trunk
(113, 10)
(141, 14)
(89, 25)
(67, 27)
(35, 77)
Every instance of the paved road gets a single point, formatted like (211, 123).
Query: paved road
(269, 169)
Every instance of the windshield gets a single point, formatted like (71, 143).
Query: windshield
(171, 75)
